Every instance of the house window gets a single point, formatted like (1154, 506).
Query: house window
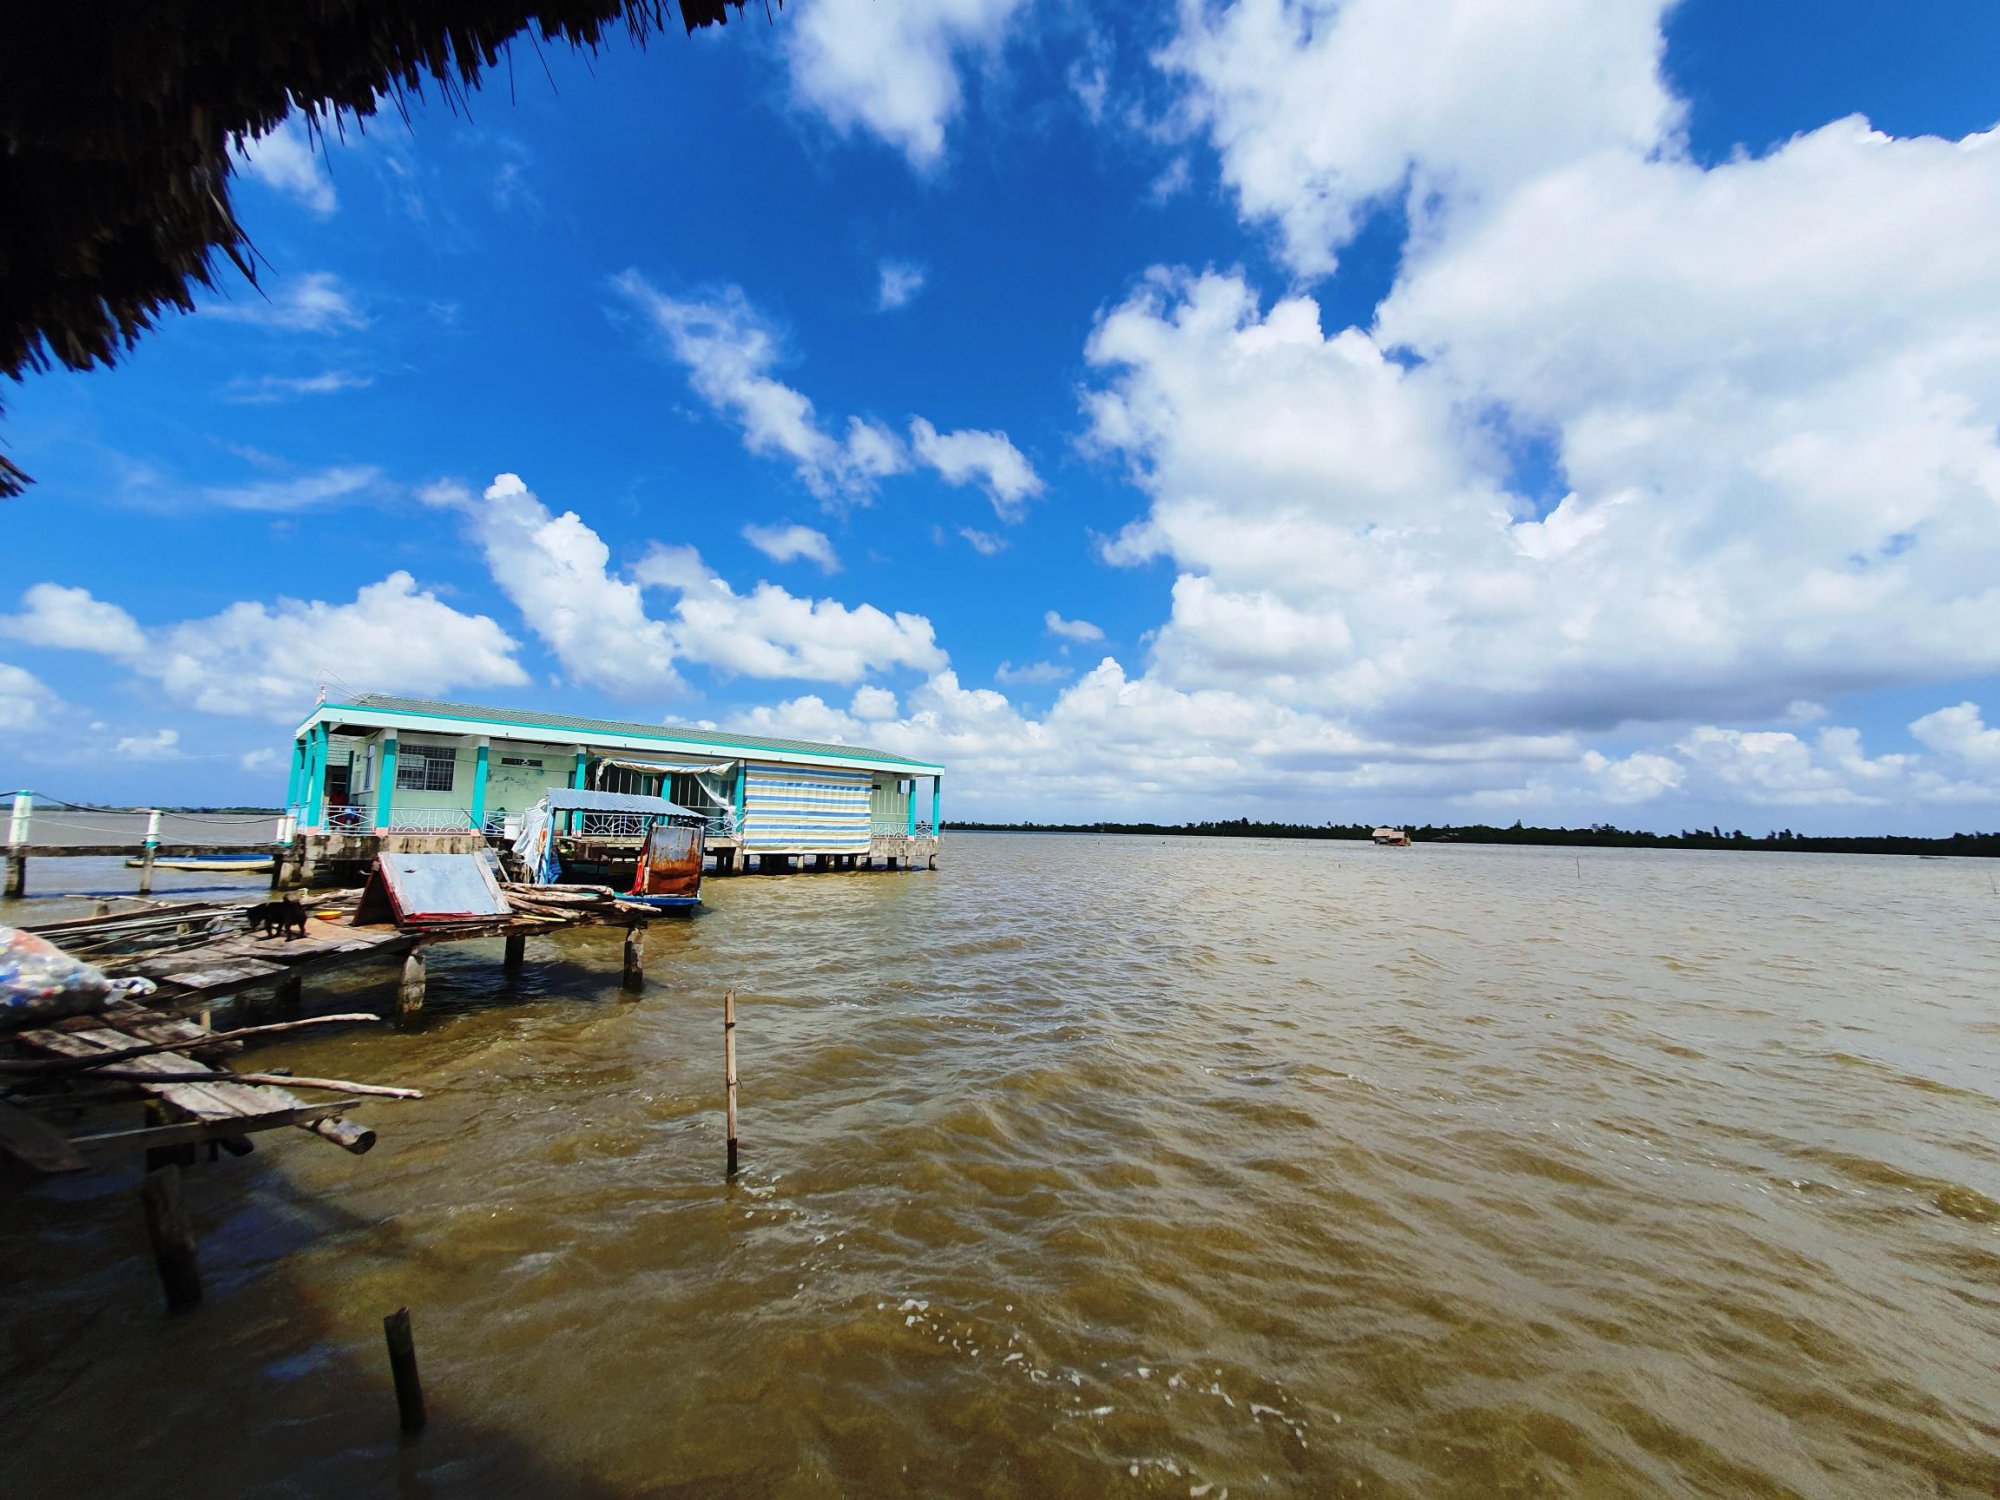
(425, 768)
(516, 760)
(634, 783)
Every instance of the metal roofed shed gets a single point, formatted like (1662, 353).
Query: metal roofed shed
(589, 799)
(413, 890)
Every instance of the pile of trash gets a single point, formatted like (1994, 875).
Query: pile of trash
(40, 983)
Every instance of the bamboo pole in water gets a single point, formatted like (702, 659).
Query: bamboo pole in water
(729, 1070)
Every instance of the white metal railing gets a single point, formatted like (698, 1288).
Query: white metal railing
(429, 819)
(723, 825)
(611, 825)
(359, 819)
(920, 829)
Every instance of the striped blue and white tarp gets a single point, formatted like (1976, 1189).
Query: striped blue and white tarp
(809, 809)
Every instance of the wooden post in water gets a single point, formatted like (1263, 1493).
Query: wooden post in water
(403, 1366)
(173, 1238)
(729, 1070)
(410, 993)
(515, 951)
(17, 876)
(634, 979)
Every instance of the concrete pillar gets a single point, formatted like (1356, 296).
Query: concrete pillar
(385, 793)
(296, 781)
(482, 751)
(23, 815)
(316, 741)
(576, 779)
(152, 852)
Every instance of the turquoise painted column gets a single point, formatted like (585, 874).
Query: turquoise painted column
(479, 787)
(576, 778)
(742, 780)
(910, 807)
(937, 803)
(295, 783)
(385, 794)
(316, 739)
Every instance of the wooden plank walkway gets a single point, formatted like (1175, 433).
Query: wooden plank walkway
(217, 965)
(199, 954)
(196, 1109)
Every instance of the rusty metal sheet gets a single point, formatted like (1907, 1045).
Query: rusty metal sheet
(669, 866)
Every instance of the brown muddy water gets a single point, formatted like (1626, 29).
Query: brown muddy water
(1100, 1166)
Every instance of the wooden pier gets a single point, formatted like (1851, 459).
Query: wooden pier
(209, 957)
(70, 1089)
(168, 1061)
(199, 955)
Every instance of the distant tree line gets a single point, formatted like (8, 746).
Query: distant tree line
(1597, 835)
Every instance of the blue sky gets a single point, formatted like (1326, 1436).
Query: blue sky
(1451, 410)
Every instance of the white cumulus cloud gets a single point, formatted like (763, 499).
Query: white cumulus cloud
(1321, 109)
(901, 280)
(791, 543)
(284, 159)
(988, 459)
(729, 351)
(72, 619)
(558, 572)
(268, 660)
(25, 700)
(162, 744)
(317, 302)
(1071, 630)
(891, 67)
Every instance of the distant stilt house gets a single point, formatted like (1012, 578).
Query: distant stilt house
(406, 774)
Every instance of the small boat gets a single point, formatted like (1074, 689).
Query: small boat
(209, 864)
(669, 872)
(1391, 838)
(667, 864)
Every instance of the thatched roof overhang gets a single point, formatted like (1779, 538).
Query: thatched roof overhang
(117, 118)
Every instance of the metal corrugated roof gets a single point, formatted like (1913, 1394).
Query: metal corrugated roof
(526, 719)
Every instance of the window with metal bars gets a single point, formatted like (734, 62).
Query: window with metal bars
(426, 768)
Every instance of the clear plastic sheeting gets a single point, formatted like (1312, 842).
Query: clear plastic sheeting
(536, 846)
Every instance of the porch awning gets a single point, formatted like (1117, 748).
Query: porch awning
(588, 799)
(677, 767)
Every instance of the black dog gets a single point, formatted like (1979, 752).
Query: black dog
(279, 916)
